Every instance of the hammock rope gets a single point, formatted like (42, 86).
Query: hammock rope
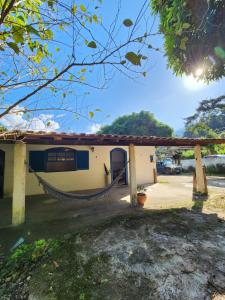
(58, 194)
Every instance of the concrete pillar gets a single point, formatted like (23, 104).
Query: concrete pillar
(19, 179)
(200, 182)
(133, 181)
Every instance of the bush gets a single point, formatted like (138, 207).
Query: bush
(188, 154)
(217, 169)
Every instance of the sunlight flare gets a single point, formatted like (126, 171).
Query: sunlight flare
(193, 83)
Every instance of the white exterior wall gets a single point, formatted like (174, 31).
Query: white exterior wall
(80, 179)
(213, 161)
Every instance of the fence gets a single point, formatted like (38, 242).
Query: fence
(212, 164)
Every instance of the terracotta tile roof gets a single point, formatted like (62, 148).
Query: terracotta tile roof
(63, 138)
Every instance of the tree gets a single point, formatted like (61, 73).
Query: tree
(200, 130)
(208, 122)
(194, 36)
(50, 48)
(142, 123)
(210, 113)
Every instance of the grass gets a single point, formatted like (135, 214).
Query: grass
(163, 181)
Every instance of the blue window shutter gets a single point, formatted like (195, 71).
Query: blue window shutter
(37, 161)
(82, 160)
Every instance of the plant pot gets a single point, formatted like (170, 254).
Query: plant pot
(141, 198)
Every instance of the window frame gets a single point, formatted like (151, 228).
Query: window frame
(60, 149)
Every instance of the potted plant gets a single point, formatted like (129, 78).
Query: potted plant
(141, 195)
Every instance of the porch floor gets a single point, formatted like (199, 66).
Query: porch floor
(47, 217)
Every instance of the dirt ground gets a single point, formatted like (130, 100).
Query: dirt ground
(158, 254)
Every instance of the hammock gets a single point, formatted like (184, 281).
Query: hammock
(58, 194)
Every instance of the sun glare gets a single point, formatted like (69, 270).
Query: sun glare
(198, 72)
(193, 82)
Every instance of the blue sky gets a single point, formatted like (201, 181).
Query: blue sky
(170, 98)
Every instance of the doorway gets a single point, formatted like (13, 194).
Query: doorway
(118, 160)
(2, 171)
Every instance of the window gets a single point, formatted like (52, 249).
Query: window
(37, 161)
(58, 160)
(82, 158)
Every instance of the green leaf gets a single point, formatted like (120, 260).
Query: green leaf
(123, 62)
(95, 18)
(18, 37)
(127, 23)
(14, 47)
(74, 9)
(91, 114)
(183, 43)
(31, 29)
(44, 69)
(134, 58)
(61, 26)
(186, 25)
(92, 44)
(83, 8)
(49, 34)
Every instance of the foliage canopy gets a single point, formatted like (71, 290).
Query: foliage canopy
(142, 123)
(194, 36)
(208, 122)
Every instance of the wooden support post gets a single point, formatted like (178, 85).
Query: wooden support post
(205, 180)
(194, 182)
(133, 182)
(19, 178)
(200, 182)
(155, 175)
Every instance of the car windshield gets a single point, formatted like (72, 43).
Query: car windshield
(168, 163)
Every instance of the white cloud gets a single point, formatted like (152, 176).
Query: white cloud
(17, 121)
(94, 128)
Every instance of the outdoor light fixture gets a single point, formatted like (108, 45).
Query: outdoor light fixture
(92, 148)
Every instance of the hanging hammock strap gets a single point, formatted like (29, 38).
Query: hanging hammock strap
(58, 194)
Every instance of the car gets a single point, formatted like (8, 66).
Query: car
(168, 167)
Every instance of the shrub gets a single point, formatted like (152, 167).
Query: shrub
(217, 169)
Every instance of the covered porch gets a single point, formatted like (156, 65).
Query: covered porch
(20, 140)
(47, 217)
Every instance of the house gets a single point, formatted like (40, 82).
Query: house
(72, 162)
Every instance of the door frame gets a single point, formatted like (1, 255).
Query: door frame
(125, 163)
(3, 180)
